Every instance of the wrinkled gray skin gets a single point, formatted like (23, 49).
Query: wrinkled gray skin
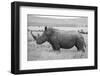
(61, 39)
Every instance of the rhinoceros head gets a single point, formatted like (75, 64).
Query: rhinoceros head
(44, 37)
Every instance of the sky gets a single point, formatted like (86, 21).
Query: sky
(52, 20)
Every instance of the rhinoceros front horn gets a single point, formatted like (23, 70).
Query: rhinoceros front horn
(34, 37)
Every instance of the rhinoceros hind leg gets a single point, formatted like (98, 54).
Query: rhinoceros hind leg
(80, 47)
(83, 49)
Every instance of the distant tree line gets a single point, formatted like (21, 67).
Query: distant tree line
(65, 25)
(35, 30)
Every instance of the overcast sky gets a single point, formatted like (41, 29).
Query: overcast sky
(54, 20)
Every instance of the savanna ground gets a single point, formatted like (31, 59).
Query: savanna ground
(45, 52)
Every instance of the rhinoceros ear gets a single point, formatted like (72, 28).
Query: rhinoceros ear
(45, 28)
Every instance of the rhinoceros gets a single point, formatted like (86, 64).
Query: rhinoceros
(61, 39)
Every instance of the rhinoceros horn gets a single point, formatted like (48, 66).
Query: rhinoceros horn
(33, 36)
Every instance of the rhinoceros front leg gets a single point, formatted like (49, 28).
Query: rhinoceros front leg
(55, 45)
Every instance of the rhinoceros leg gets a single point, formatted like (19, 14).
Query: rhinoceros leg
(55, 45)
(80, 49)
(80, 45)
(83, 49)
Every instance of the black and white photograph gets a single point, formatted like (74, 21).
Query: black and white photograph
(53, 37)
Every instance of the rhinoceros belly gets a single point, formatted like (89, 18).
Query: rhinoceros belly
(67, 44)
(67, 40)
